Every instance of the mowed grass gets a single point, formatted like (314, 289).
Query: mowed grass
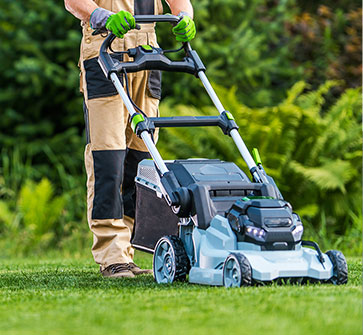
(68, 296)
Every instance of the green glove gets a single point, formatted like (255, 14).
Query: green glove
(185, 29)
(120, 23)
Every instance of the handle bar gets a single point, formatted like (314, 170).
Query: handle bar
(150, 61)
(156, 18)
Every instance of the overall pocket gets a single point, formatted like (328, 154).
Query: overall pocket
(154, 84)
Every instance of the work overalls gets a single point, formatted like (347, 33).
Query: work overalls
(113, 150)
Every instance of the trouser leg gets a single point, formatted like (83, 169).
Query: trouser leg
(111, 236)
(108, 162)
(104, 159)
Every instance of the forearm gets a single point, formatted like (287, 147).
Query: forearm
(177, 6)
(81, 9)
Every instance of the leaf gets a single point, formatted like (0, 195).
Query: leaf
(7, 217)
(308, 211)
(40, 209)
(332, 175)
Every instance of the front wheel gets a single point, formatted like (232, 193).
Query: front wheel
(237, 271)
(340, 267)
(170, 262)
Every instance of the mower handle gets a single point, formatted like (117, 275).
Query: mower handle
(152, 58)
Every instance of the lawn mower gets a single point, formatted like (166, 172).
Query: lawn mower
(204, 219)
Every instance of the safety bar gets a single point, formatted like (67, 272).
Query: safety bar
(186, 121)
(222, 121)
(149, 58)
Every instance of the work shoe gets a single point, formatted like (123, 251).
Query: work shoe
(137, 271)
(118, 270)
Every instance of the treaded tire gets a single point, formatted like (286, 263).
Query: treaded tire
(170, 261)
(237, 271)
(340, 267)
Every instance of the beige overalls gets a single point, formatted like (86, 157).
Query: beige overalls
(113, 150)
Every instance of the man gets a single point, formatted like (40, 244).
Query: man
(113, 151)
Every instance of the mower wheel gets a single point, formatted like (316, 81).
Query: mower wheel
(170, 262)
(237, 271)
(340, 268)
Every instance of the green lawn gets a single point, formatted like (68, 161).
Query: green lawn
(68, 296)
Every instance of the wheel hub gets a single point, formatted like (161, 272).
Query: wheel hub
(235, 276)
(168, 268)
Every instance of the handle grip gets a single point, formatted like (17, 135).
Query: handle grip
(142, 19)
(156, 18)
(104, 30)
(104, 59)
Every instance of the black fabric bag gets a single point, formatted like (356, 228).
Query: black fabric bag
(153, 219)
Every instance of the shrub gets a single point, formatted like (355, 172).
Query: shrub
(242, 43)
(40, 210)
(41, 115)
(37, 213)
(330, 45)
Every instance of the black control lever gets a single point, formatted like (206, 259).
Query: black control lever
(104, 30)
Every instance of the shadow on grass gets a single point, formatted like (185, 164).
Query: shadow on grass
(84, 280)
(68, 277)
(62, 280)
(84, 277)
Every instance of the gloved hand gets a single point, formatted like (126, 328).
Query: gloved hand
(119, 23)
(185, 29)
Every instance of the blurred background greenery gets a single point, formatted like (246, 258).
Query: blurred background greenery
(289, 70)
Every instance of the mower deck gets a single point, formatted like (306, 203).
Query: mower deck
(218, 241)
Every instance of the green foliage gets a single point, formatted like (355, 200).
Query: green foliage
(7, 217)
(242, 43)
(312, 151)
(39, 210)
(330, 44)
(263, 47)
(312, 5)
(32, 215)
(40, 107)
(14, 170)
(35, 217)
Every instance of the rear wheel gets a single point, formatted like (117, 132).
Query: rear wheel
(170, 262)
(237, 271)
(340, 268)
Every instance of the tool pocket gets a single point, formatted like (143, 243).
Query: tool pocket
(154, 84)
(154, 76)
(98, 86)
